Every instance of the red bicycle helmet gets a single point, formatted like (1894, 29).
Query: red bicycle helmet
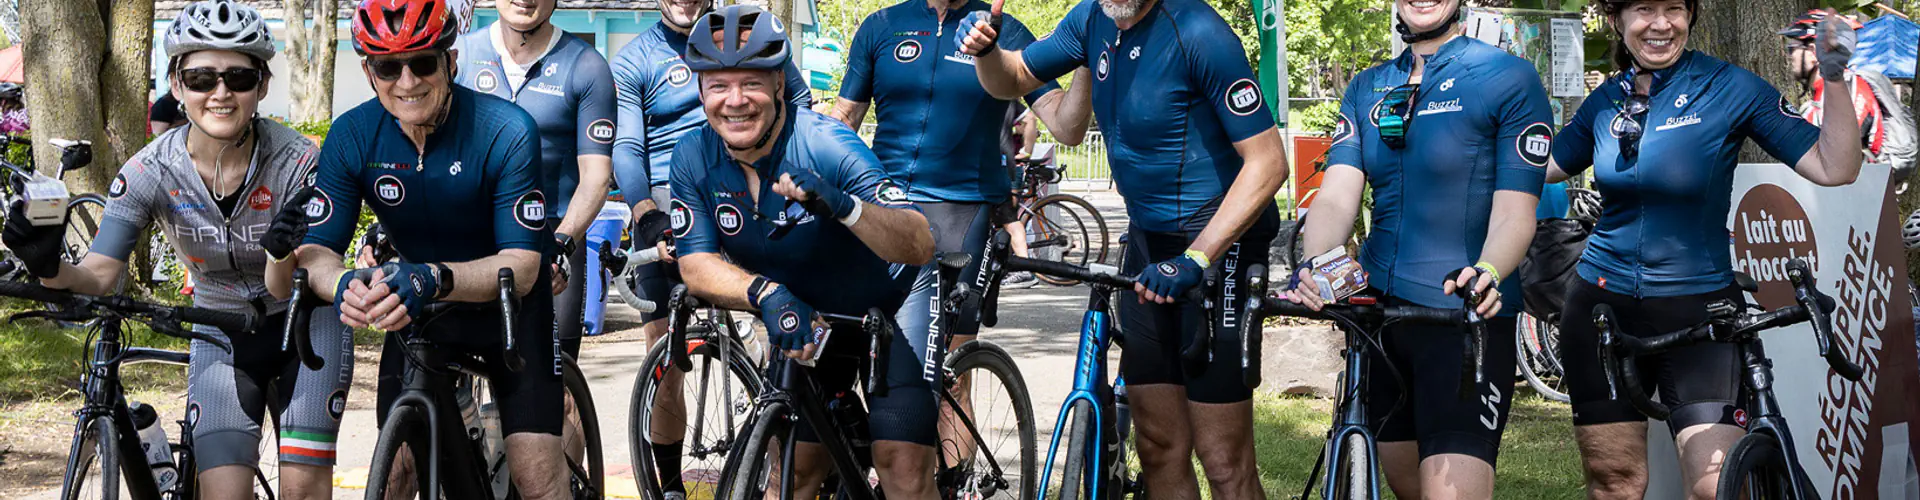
(1807, 25)
(396, 26)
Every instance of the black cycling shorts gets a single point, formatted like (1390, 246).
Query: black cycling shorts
(957, 227)
(1413, 392)
(1157, 333)
(655, 281)
(908, 412)
(1701, 383)
(529, 400)
(570, 307)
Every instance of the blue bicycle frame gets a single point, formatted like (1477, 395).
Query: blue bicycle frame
(1089, 383)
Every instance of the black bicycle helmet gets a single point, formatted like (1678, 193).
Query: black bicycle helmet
(9, 90)
(764, 48)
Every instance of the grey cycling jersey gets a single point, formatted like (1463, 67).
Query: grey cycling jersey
(159, 184)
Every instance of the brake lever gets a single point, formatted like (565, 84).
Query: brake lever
(172, 329)
(510, 354)
(1473, 368)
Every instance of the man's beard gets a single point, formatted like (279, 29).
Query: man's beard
(1121, 9)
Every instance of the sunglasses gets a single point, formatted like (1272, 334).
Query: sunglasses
(1632, 127)
(1793, 45)
(423, 66)
(1394, 124)
(206, 79)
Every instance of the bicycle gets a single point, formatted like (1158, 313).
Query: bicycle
(1060, 227)
(1537, 340)
(1763, 464)
(458, 463)
(788, 390)
(1350, 456)
(106, 458)
(83, 210)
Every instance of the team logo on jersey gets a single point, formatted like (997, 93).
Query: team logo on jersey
(337, 404)
(1342, 128)
(1100, 67)
(1680, 102)
(319, 208)
(1786, 108)
(454, 169)
(907, 51)
(193, 414)
(312, 176)
(680, 218)
(1243, 97)
(550, 69)
(486, 81)
(531, 210)
(601, 131)
(389, 190)
(889, 193)
(1446, 85)
(1134, 54)
(261, 199)
(679, 75)
(728, 218)
(1535, 144)
(118, 188)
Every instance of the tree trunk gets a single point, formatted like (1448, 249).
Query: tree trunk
(63, 45)
(311, 53)
(1726, 29)
(123, 86)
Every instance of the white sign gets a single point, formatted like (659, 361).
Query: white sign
(1568, 54)
(1484, 26)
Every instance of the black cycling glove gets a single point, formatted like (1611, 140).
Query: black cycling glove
(651, 228)
(37, 246)
(289, 226)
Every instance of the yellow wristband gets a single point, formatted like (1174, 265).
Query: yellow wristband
(1490, 270)
(1198, 257)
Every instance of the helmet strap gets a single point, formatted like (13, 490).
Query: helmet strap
(1409, 37)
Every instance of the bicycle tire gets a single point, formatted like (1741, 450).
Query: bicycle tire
(1080, 434)
(592, 486)
(267, 473)
(994, 361)
(1538, 353)
(1756, 469)
(84, 213)
(406, 425)
(1354, 473)
(748, 471)
(702, 348)
(1079, 213)
(93, 446)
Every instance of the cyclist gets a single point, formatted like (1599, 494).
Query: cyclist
(937, 130)
(1198, 164)
(1018, 133)
(1456, 170)
(453, 175)
(564, 83)
(757, 152)
(658, 104)
(214, 187)
(1663, 137)
(1886, 127)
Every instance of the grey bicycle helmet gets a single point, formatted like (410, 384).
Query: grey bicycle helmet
(219, 25)
(1583, 204)
(764, 48)
(1910, 232)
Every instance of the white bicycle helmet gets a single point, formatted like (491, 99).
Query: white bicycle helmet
(219, 25)
(1584, 204)
(1910, 232)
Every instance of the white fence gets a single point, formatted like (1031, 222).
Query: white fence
(1086, 164)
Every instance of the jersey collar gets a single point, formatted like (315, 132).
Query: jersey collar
(1447, 53)
(1661, 77)
(497, 34)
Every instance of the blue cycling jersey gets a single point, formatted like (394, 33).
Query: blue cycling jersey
(1172, 97)
(938, 130)
(475, 192)
(1663, 224)
(569, 93)
(821, 261)
(659, 102)
(1479, 124)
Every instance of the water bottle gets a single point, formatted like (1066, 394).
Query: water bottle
(853, 420)
(153, 442)
(1124, 417)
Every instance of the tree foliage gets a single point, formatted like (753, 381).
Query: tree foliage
(1328, 41)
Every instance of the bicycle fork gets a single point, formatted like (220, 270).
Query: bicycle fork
(1089, 370)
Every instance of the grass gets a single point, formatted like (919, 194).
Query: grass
(45, 360)
(1537, 457)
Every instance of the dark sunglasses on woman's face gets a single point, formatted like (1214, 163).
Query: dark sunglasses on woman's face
(207, 79)
(423, 66)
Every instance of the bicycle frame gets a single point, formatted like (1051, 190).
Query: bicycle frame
(1089, 382)
(431, 391)
(1759, 372)
(1353, 420)
(105, 398)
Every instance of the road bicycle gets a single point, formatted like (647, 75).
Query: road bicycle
(106, 459)
(424, 420)
(83, 210)
(1059, 227)
(1351, 452)
(1762, 465)
(1536, 339)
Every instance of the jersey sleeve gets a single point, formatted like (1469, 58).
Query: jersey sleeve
(1573, 147)
(798, 91)
(131, 199)
(1014, 35)
(1221, 73)
(630, 125)
(1524, 140)
(1346, 148)
(594, 128)
(1770, 121)
(519, 206)
(860, 173)
(337, 201)
(1065, 49)
(857, 85)
(693, 229)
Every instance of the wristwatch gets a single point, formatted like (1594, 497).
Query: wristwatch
(443, 276)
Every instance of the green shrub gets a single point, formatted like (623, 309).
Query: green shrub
(1318, 117)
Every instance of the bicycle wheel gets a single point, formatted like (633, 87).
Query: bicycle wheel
(585, 480)
(722, 392)
(1001, 462)
(93, 463)
(406, 429)
(1065, 228)
(1539, 357)
(1353, 476)
(1757, 469)
(266, 476)
(83, 222)
(1078, 472)
(751, 471)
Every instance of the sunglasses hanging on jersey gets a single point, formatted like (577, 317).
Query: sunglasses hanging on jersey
(423, 66)
(205, 80)
(1398, 118)
(1633, 119)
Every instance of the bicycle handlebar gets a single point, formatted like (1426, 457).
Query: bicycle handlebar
(1196, 355)
(1725, 324)
(509, 304)
(163, 318)
(299, 322)
(1366, 309)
